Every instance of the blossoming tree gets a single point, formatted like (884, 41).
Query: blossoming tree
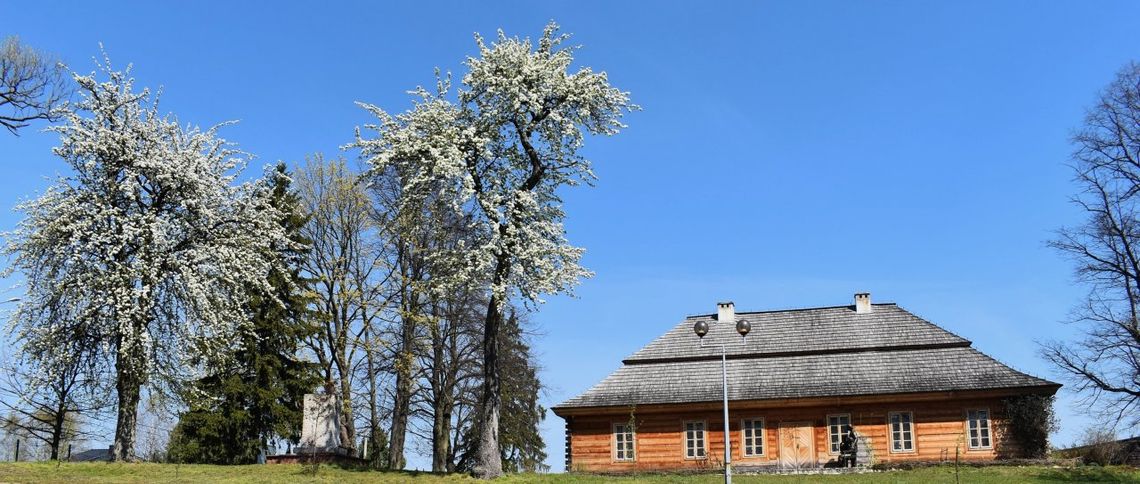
(150, 239)
(499, 151)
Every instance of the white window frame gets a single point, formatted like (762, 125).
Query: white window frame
(891, 433)
(833, 445)
(704, 440)
(631, 448)
(988, 428)
(744, 451)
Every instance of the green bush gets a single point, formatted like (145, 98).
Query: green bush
(1028, 421)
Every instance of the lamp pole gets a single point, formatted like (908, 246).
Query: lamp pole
(701, 328)
(727, 437)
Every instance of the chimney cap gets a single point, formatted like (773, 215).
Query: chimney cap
(862, 302)
(726, 312)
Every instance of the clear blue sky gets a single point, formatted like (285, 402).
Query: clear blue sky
(788, 155)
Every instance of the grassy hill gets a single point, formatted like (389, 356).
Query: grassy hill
(169, 473)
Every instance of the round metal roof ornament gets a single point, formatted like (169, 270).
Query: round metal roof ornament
(701, 328)
(743, 327)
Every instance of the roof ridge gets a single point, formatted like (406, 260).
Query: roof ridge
(785, 354)
(792, 310)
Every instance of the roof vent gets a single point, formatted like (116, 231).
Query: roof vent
(726, 312)
(862, 302)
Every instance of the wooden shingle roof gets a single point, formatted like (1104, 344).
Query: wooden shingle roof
(819, 352)
(798, 331)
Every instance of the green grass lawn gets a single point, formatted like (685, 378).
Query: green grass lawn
(169, 473)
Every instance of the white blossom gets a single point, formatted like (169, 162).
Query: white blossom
(149, 241)
(499, 151)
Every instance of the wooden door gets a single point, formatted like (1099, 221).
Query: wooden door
(796, 445)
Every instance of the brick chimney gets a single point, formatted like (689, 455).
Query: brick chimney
(862, 302)
(726, 312)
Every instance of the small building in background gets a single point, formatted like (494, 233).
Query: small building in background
(92, 455)
(911, 391)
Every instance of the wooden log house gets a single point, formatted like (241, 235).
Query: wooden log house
(911, 390)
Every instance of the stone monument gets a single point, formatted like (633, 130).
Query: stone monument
(320, 429)
(320, 435)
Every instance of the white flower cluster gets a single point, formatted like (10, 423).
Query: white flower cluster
(149, 243)
(498, 152)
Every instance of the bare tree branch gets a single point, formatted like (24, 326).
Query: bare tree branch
(1104, 366)
(33, 86)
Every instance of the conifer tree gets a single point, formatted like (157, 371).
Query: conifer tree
(377, 449)
(522, 448)
(243, 408)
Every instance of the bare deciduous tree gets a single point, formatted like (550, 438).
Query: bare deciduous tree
(344, 263)
(47, 394)
(452, 364)
(52, 411)
(33, 86)
(1104, 366)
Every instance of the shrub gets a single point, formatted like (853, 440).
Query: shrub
(1028, 421)
(1100, 446)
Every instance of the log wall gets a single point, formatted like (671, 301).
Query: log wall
(940, 430)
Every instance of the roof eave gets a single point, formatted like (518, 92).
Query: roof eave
(1049, 388)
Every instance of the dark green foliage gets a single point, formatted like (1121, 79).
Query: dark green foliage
(378, 449)
(1028, 421)
(520, 442)
(257, 398)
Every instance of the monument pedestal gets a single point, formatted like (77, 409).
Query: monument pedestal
(320, 436)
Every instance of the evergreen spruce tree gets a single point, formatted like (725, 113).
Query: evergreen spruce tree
(242, 409)
(378, 449)
(521, 443)
(519, 439)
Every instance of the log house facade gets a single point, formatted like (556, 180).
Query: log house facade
(911, 390)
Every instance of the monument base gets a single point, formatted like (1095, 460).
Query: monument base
(321, 456)
(314, 450)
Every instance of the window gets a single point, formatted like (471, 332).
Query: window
(902, 431)
(752, 433)
(695, 440)
(978, 423)
(623, 442)
(836, 428)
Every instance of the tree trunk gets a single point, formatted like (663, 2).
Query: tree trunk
(441, 438)
(373, 410)
(347, 426)
(402, 401)
(57, 431)
(400, 405)
(127, 385)
(441, 421)
(489, 463)
(456, 437)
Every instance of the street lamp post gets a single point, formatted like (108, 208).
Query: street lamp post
(701, 328)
